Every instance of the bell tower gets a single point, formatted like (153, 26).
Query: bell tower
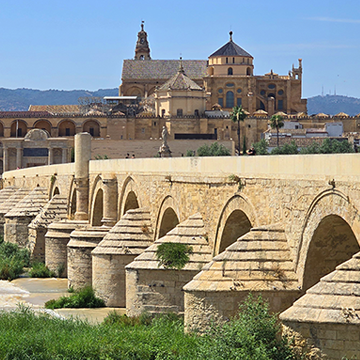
(142, 49)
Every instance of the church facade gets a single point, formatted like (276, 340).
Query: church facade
(227, 77)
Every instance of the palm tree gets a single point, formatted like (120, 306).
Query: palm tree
(277, 122)
(238, 114)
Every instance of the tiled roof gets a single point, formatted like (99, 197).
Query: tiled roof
(162, 69)
(180, 81)
(24, 114)
(56, 109)
(231, 49)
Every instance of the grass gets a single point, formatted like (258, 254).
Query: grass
(83, 298)
(12, 260)
(253, 335)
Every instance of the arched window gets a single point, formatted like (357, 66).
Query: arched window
(248, 71)
(229, 99)
(230, 71)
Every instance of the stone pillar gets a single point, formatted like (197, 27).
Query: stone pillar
(82, 157)
(110, 198)
(50, 156)
(6, 158)
(18, 158)
(64, 157)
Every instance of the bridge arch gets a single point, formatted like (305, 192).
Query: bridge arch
(129, 198)
(72, 200)
(97, 206)
(330, 236)
(54, 188)
(168, 217)
(236, 219)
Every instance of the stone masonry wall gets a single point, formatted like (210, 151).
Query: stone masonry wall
(156, 290)
(336, 341)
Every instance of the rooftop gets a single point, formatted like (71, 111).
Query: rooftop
(231, 49)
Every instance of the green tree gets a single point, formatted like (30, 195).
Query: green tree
(261, 147)
(213, 150)
(238, 114)
(277, 122)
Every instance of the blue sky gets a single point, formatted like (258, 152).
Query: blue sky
(77, 44)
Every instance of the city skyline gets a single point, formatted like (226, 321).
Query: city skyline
(66, 46)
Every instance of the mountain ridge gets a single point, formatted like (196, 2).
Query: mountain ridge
(21, 99)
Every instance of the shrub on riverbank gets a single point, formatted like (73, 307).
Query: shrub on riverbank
(12, 260)
(40, 270)
(83, 298)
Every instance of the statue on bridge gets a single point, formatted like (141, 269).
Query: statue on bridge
(164, 149)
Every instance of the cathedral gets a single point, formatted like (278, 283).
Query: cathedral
(227, 79)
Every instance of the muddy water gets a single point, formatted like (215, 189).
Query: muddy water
(35, 292)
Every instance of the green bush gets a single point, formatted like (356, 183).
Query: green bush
(261, 147)
(213, 150)
(83, 298)
(252, 335)
(10, 268)
(173, 255)
(286, 149)
(12, 260)
(40, 270)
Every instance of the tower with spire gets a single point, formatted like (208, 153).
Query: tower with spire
(142, 49)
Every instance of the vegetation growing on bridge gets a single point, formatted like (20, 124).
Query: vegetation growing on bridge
(253, 335)
(173, 255)
(328, 146)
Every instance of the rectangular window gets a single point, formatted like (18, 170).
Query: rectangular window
(67, 132)
(221, 102)
(143, 130)
(280, 104)
(238, 101)
(91, 130)
(154, 123)
(179, 112)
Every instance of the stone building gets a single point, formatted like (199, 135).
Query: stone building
(35, 149)
(227, 76)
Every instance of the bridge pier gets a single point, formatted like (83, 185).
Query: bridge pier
(154, 289)
(131, 235)
(82, 242)
(259, 262)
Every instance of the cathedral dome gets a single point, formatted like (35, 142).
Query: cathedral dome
(230, 49)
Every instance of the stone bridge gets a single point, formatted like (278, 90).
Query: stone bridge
(269, 224)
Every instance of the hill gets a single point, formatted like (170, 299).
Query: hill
(21, 99)
(333, 104)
